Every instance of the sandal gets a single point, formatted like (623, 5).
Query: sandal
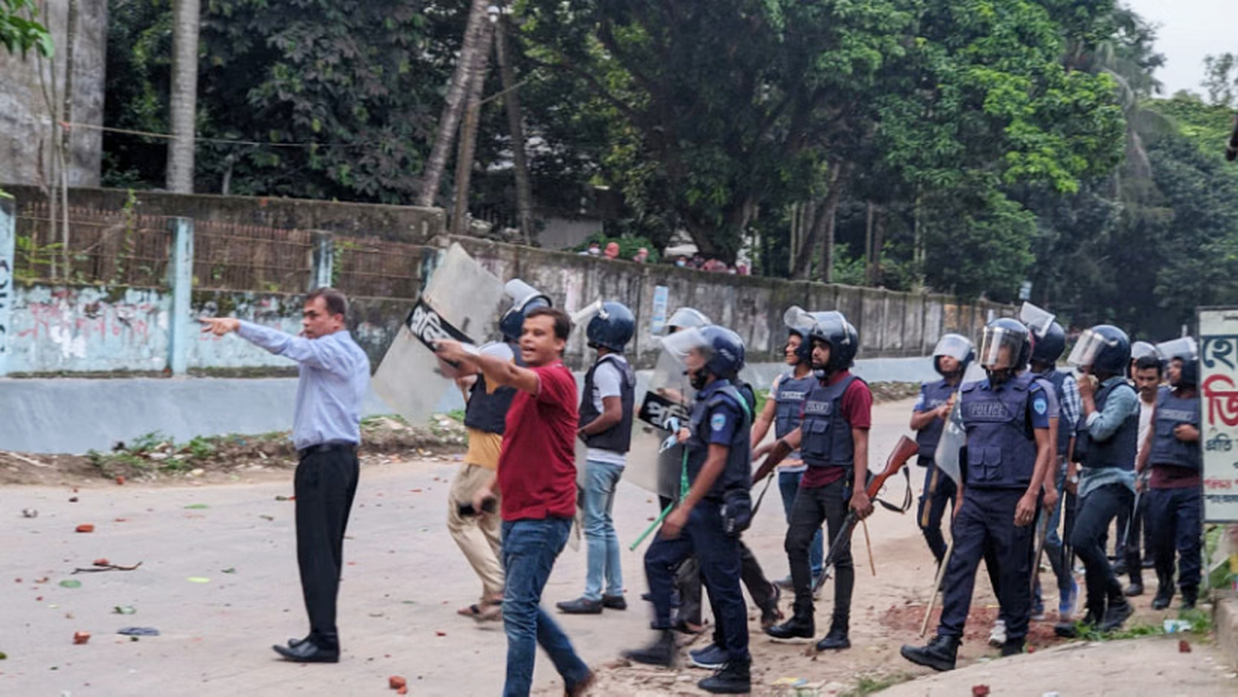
(489, 610)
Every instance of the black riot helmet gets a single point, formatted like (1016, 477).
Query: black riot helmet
(1006, 345)
(612, 327)
(956, 346)
(804, 351)
(1050, 346)
(833, 329)
(1103, 350)
(524, 299)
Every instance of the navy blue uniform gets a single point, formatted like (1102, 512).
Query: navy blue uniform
(938, 488)
(717, 419)
(1175, 504)
(998, 469)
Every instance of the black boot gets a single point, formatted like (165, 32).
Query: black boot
(1189, 598)
(1012, 647)
(1070, 630)
(1164, 594)
(660, 653)
(836, 638)
(1117, 613)
(940, 654)
(800, 626)
(734, 679)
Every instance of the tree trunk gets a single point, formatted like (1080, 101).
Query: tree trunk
(468, 132)
(823, 224)
(830, 214)
(879, 240)
(454, 107)
(515, 126)
(868, 246)
(184, 95)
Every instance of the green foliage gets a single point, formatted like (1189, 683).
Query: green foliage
(20, 31)
(199, 448)
(872, 684)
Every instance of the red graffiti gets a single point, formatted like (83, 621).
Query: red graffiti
(57, 319)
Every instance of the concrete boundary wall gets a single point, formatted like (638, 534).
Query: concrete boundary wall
(74, 415)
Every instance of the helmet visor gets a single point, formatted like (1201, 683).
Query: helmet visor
(1139, 349)
(686, 318)
(1086, 349)
(521, 293)
(1036, 319)
(795, 317)
(954, 346)
(686, 342)
(1000, 348)
(1184, 348)
(582, 316)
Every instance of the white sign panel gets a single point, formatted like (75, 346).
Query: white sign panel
(1218, 365)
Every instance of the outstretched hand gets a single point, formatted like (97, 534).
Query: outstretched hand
(219, 325)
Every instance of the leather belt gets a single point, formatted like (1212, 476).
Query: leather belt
(334, 446)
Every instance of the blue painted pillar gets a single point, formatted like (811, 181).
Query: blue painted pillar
(8, 250)
(324, 260)
(180, 276)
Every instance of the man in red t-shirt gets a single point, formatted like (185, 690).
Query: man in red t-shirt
(537, 479)
(833, 442)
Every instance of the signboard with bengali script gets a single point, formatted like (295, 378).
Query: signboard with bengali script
(1218, 366)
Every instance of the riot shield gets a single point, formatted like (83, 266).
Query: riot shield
(668, 400)
(459, 302)
(954, 435)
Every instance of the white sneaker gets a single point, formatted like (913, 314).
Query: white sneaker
(997, 635)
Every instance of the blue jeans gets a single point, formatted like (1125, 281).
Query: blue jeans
(529, 551)
(1174, 516)
(788, 485)
(601, 478)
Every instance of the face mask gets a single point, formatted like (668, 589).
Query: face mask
(697, 378)
(680, 263)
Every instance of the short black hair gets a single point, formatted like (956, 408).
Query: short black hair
(563, 323)
(336, 302)
(1145, 362)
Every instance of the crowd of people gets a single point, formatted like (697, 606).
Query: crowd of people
(683, 261)
(1031, 460)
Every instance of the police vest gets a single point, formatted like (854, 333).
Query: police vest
(737, 474)
(789, 402)
(617, 438)
(1117, 451)
(487, 411)
(1171, 411)
(1001, 447)
(825, 433)
(1064, 433)
(935, 394)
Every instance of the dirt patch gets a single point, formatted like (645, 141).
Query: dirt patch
(154, 458)
(893, 391)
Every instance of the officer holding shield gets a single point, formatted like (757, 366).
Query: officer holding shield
(1008, 454)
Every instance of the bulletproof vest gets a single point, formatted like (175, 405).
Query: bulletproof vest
(936, 394)
(617, 438)
(1058, 379)
(487, 411)
(1119, 449)
(1172, 410)
(1001, 448)
(738, 471)
(825, 434)
(789, 402)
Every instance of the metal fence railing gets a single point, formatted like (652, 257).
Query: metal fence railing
(230, 256)
(366, 267)
(115, 247)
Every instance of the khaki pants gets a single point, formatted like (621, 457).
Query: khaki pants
(479, 537)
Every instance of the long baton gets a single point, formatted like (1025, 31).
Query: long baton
(941, 574)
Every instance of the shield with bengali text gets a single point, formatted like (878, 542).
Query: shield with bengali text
(654, 464)
(460, 302)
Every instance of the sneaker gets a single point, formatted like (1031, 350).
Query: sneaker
(712, 657)
(997, 635)
(614, 602)
(1066, 604)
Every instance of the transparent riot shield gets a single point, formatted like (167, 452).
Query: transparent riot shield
(459, 302)
(666, 404)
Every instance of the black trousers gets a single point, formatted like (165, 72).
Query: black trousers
(688, 580)
(325, 483)
(1096, 511)
(812, 507)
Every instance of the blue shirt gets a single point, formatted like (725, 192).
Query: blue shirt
(334, 374)
(723, 419)
(1103, 424)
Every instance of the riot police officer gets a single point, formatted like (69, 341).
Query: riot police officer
(1105, 448)
(833, 441)
(1008, 454)
(951, 357)
(717, 507)
(1047, 349)
(783, 411)
(1175, 497)
(606, 414)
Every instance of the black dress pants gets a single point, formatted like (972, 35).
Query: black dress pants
(325, 483)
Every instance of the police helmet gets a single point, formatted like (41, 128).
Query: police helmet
(833, 329)
(1049, 346)
(524, 299)
(612, 327)
(1185, 350)
(1104, 349)
(686, 318)
(956, 346)
(1011, 335)
(1139, 349)
(725, 350)
(803, 352)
